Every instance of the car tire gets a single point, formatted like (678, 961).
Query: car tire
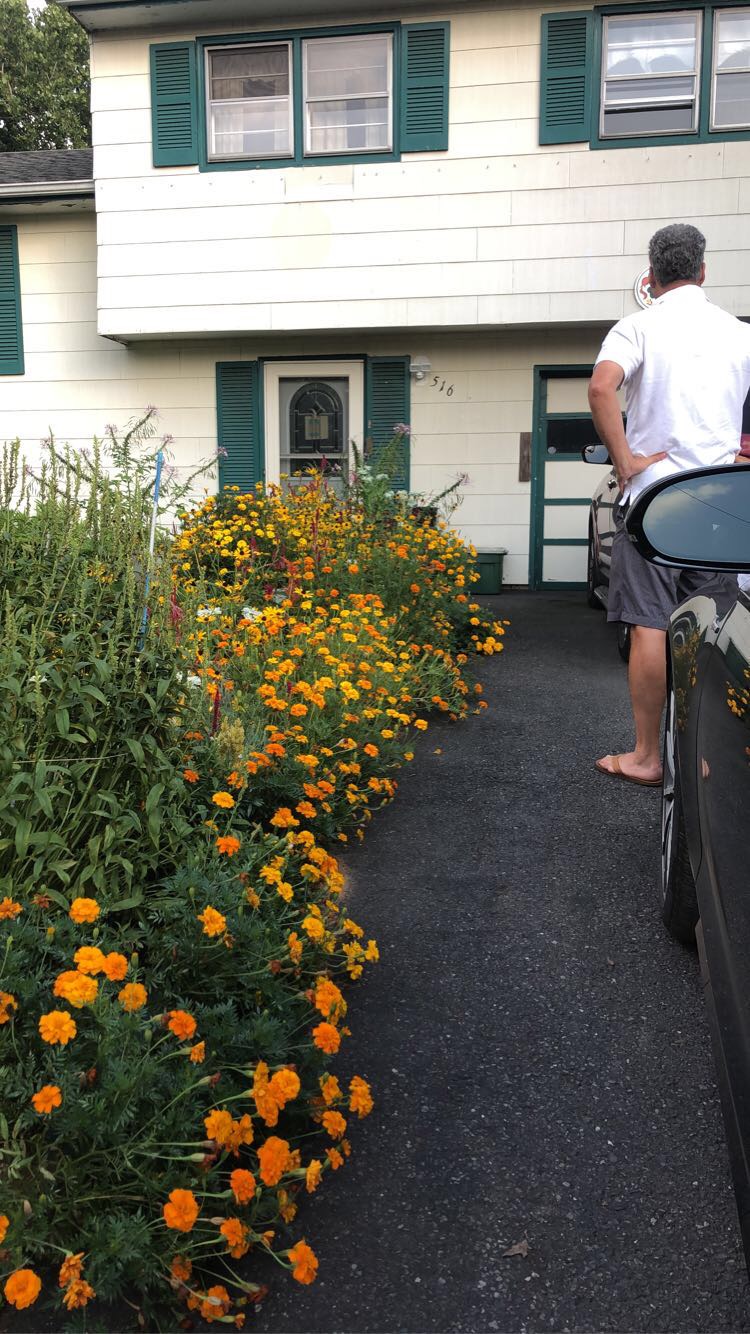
(623, 641)
(679, 910)
(592, 573)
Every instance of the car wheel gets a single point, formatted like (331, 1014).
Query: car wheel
(679, 902)
(623, 641)
(592, 573)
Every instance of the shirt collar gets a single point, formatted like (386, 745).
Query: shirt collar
(689, 291)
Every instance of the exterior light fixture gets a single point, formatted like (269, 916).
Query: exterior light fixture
(419, 366)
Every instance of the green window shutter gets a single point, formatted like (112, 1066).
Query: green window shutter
(425, 50)
(174, 104)
(567, 77)
(238, 424)
(387, 403)
(11, 330)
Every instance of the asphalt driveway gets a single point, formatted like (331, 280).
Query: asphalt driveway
(538, 1046)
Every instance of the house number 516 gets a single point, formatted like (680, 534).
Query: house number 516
(442, 386)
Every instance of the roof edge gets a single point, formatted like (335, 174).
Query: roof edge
(9, 190)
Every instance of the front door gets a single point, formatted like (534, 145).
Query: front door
(314, 414)
(561, 483)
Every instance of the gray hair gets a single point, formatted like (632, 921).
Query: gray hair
(676, 254)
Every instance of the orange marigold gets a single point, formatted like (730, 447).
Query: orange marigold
(215, 1303)
(235, 1233)
(327, 1038)
(7, 1004)
(133, 996)
(181, 1268)
(295, 947)
(47, 1098)
(89, 959)
(305, 1262)
(223, 799)
(190, 775)
(328, 997)
(283, 819)
(115, 967)
(360, 1100)
(70, 1268)
(214, 923)
(335, 1159)
(284, 1086)
(181, 1210)
(57, 1027)
(4, 1225)
(331, 1089)
(9, 909)
(243, 1185)
(228, 844)
(22, 1288)
(182, 1024)
(198, 1053)
(335, 1124)
(84, 910)
(313, 1175)
(76, 988)
(79, 1293)
(274, 1157)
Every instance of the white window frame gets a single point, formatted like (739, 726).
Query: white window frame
(623, 78)
(716, 74)
(347, 37)
(283, 155)
(274, 371)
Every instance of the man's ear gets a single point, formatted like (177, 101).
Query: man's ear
(702, 276)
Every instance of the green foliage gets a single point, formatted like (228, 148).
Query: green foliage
(44, 79)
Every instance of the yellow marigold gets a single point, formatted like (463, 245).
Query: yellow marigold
(48, 1097)
(219, 1125)
(4, 1225)
(22, 1288)
(228, 845)
(328, 997)
(314, 927)
(214, 923)
(274, 1159)
(235, 1233)
(84, 910)
(327, 1038)
(9, 909)
(313, 1175)
(89, 959)
(420, 724)
(57, 1027)
(7, 1004)
(335, 1124)
(79, 1293)
(70, 1269)
(133, 996)
(352, 927)
(304, 1261)
(330, 1089)
(360, 1100)
(223, 799)
(198, 1053)
(243, 1185)
(181, 1210)
(115, 967)
(182, 1024)
(283, 819)
(76, 988)
(181, 1268)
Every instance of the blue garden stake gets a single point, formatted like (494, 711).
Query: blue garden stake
(151, 543)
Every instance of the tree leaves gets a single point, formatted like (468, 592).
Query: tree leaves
(44, 79)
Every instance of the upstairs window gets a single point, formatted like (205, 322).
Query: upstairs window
(250, 101)
(650, 74)
(348, 94)
(730, 108)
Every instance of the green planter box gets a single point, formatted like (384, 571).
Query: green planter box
(489, 566)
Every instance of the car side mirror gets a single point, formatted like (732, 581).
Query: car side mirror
(696, 520)
(595, 454)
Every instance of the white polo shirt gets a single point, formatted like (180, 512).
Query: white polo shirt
(686, 369)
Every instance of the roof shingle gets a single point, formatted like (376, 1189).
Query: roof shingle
(46, 166)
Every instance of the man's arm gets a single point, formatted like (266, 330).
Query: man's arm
(607, 415)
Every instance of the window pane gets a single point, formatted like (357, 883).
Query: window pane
(733, 40)
(250, 129)
(252, 71)
(360, 123)
(649, 120)
(732, 104)
(660, 44)
(345, 67)
(652, 92)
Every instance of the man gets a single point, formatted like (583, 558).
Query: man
(685, 366)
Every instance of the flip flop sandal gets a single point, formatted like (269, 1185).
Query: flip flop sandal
(616, 772)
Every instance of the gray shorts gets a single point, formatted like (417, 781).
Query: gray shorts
(644, 594)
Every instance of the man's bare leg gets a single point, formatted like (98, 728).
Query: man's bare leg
(647, 679)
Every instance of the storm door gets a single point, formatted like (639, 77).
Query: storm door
(313, 412)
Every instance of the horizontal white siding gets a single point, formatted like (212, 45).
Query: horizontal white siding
(495, 231)
(77, 382)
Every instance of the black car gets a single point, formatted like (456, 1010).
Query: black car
(702, 520)
(600, 538)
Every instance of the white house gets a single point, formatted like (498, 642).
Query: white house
(302, 227)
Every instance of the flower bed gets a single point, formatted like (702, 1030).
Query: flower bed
(176, 936)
